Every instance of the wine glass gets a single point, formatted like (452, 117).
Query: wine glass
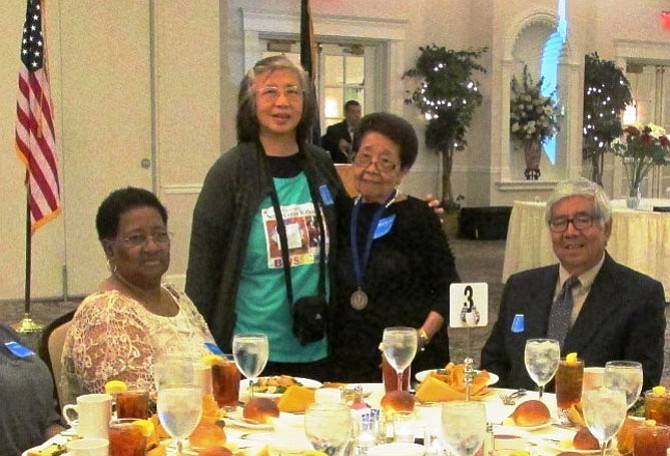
(328, 426)
(604, 413)
(542, 357)
(251, 352)
(400, 345)
(464, 426)
(625, 376)
(179, 403)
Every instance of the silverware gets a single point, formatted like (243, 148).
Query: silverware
(510, 399)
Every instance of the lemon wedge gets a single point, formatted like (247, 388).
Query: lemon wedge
(650, 423)
(146, 426)
(115, 387)
(211, 359)
(659, 389)
(314, 453)
(571, 358)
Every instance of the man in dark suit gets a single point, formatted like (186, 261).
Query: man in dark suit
(339, 138)
(617, 313)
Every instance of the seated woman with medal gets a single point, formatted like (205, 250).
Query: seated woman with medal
(394, 265)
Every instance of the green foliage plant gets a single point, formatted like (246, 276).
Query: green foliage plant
(447, 95)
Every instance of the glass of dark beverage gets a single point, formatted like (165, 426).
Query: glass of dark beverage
(225, 381)
(569, 377)
(651, 440)
(133, 404)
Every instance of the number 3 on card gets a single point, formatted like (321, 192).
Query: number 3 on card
(469, 305)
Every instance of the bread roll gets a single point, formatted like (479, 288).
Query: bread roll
(531, 413)
(207, 435)
(261, 410)
(584, 440)
(397, 401)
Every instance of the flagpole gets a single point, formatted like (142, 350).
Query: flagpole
(27, 325)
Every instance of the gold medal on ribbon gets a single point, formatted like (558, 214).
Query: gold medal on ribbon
(359, 299)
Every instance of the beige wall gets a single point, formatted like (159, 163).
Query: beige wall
(158, 80)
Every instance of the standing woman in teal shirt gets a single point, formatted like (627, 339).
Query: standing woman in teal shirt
(237, 276)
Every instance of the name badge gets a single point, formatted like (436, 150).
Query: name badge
(518, 324)
(384, 226)
(326, 197)
(19, 350)
(212, 347)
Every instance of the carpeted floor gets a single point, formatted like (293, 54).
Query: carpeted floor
(476, 261)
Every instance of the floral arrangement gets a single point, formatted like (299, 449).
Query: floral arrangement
(641, 148)
(532, 116)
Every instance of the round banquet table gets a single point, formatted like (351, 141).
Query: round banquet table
(288, 432)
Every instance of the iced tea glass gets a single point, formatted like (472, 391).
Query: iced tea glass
(569, 377)
(226, 382)
(390, 376)
(651, 440)
(133, 404)
(657, 407)
(126, 438)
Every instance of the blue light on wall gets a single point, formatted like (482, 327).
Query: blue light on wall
(551, 54)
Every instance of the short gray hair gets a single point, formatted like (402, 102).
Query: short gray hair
(584, 187)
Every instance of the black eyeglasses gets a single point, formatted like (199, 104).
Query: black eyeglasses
(140, 239)
(383, 163)
(579, 221)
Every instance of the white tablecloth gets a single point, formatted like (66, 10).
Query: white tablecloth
(640, 239)
(289, 430)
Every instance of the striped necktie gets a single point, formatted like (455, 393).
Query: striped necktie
(561, 312)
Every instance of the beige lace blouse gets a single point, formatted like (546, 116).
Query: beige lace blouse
(113, 337)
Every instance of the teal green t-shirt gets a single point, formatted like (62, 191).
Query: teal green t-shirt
(262, 304)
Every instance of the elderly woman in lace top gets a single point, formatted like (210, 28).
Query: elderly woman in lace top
(132, 319)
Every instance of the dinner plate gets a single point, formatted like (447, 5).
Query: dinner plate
(551, 444)
(59, 439)
(236, 419)
(421, 376)
(306, 382)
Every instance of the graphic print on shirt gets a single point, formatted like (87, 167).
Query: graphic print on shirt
(302, 235)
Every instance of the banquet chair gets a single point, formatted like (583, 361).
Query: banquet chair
(346, 174)
(50, 350)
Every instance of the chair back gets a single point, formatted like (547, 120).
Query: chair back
(51, 349)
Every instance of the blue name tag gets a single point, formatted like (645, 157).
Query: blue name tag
(518, 324)
(212, 347)
(326, 197)
(384, 226)
(19, 350)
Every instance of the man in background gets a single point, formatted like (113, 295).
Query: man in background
(591, 304)
(339, 138)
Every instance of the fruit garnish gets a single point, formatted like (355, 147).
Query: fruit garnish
(314, 453)
(211, 359)
(571, 358)
(115, 387)
(650, 423)
(659, 389)
(146, 426)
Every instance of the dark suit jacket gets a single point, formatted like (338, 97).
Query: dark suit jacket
(330, 141)
(623, 318)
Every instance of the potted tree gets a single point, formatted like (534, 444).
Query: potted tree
(606, 93)
(447, 95)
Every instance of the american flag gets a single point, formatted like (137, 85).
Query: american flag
(35, 136)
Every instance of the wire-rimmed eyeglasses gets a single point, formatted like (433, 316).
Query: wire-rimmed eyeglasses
(383, 163)
(579, 221)
(140, 239)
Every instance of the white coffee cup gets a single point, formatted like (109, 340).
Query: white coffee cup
(88, 447)
(94, 411)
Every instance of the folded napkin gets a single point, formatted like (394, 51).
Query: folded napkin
(295, 399)
(435, 389)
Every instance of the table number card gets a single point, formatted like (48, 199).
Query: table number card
(469, 305)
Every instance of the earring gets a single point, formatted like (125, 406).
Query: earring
(111, 266)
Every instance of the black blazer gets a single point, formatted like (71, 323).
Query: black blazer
(331, 140)
(623, 318)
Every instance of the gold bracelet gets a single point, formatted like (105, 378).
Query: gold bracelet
(423, 336)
